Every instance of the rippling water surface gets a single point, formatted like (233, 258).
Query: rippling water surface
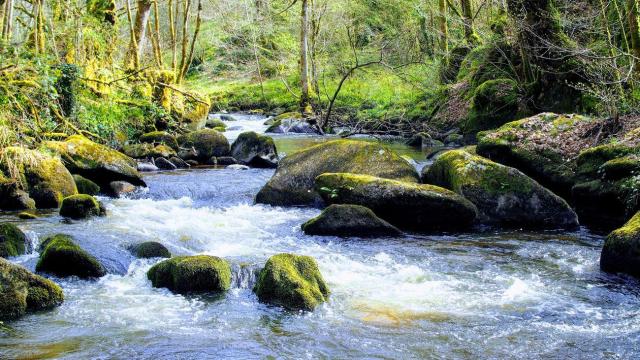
(488, 295)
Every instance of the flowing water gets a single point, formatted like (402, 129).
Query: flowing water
(489, 295)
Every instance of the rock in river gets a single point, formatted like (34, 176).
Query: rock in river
(12, 240)
(80, 206)
(621, 251)
(61, 256)
(293, 182)
(255, 150)
(149, 249)
(349, 220)
(186, 274)
(503, 195)
(205, 144)
(86, 186)
(416, 207)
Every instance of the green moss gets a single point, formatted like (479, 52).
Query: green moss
(160, 137)
(207, 143)
(255, 150)
(80, 206)
(349, 220)
(149, 249)
(291, 281)
(27, 215)
(86, 186)
(621, 167)
(22, 292)
(293, 183)
(590, 161)
(12, 240)
(216, 124)
(621, 251)
(185, 274)
(61, 256)
(495, 102)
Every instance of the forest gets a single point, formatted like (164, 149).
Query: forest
(333, 178)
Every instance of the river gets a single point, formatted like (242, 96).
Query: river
(494, 294)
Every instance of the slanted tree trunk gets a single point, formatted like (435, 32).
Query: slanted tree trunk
(444, 27)
(185, 38)
(634, 29)
(139, 33)
(305, 82)
(172, 34)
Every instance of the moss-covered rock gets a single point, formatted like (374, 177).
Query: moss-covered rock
(607, 204)
(43, 177)
(86, 186)
(25, 215)
(22, 292)
(213, 123)
(160, 138)
(206, 143)
(96, 162)
(255, 150)
(293, 182)
(12, 240)
(61, 256)
(495, 103)
(80, 206)
(622, 167)
(409, 206)
(149, 249)
(503, 195)
(621, 251)
(591, 161)
(148, 151)
(349, 220)
(12, 197)
(186, 274)
(293, 282)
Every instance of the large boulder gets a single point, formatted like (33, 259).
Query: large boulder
(12, 240)
(86, 186)
(293, 182)
(621, 251)
(148, 151)
(255, 150)
(206, 143)
(503, 195)
(158, 138)
(96, 162)
(291, 281)
(417, 207)
(349, 220)
(149, 249)
(61, 256)
(22, 292)
(80, 206)
(186, 274)
(41, 176)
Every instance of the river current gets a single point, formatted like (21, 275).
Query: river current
(493, 294)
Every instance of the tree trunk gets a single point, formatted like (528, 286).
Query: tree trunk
(634, 29)
(172, 35)
(305, 81)
(444, 27)
(467, 21)
(7, 30)
(185, 39)
(2, 8)
(139, 32)
(185, 68)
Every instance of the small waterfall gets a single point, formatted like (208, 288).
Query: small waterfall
(244, 276)
(32, 242)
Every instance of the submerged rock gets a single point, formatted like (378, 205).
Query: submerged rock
(503, 195)
(160, 137)
(185, 274)
(27, 216)
(86, 186)
(349, 220)
(409, 206)
(39, 177)
(96, 162)
(255, 150)
(205, 143)
(293, 282)
(12, 240)
(61, 256)
(293, 182)
(149, 249)
(22, 292)
(238, 167)
(80, 206)
(621, 251)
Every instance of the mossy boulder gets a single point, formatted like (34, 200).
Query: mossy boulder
(80, 206)
(25, 215)
(255, 150)
(494, 103)
(41, 176)
(622, 167)
(160, 138)
(149, 249)
(22, 292)
(206, 143)
(349, 220)
(416, 207)
(213, 123)
(96, 162)
(621, 251)
(607, 204)
(12, 240)
(291, 281)
(590, 162)
(86, 186)
(61, 256)
(148, 151)
(293, 182)
(503, 195)
(191, 274)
